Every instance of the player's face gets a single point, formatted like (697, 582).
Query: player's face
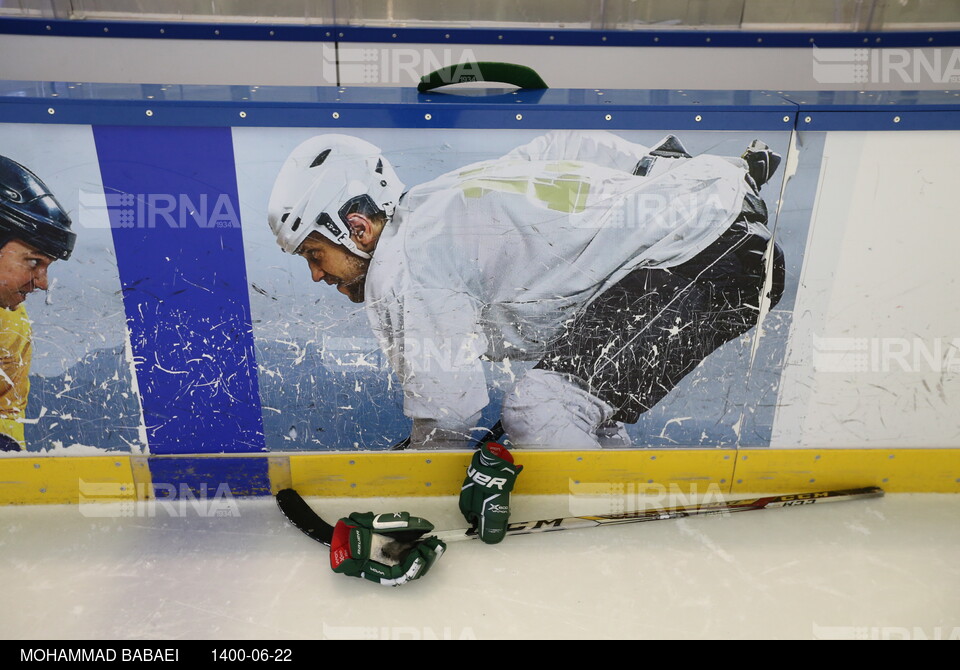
(23, 270)
(333, 264)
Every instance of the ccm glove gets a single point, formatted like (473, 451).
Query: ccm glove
(385, 548)
(485, 496)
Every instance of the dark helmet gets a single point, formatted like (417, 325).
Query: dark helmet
(29, 212)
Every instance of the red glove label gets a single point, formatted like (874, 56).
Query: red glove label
(340, 544)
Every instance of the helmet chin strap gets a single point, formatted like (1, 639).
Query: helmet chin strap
(345, 240)
(353, 248)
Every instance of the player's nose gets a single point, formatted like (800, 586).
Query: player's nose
(40, 279)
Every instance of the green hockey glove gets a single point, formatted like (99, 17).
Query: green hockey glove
(485, 495)
(385, 548)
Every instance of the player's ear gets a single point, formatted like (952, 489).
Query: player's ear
(361, 228)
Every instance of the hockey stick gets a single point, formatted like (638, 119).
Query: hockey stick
(303, 517)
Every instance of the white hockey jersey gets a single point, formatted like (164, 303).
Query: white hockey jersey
(489, 260)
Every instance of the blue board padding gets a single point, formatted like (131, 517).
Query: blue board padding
(332, 107)
(210, 478)
(876, 110)
(888, 119)
(171, 194)
(645, 37)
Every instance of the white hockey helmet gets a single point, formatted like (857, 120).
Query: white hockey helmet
(324, 180)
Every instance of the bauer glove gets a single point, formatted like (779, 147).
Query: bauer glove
(385, 548)
(485, 495)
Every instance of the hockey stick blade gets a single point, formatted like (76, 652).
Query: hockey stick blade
(303, 517)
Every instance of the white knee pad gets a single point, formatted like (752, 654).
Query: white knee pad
(551, 410)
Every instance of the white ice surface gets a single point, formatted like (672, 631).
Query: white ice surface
(872, 568)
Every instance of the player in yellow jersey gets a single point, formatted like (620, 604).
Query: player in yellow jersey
(34, 232)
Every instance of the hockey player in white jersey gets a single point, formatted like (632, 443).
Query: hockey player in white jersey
(615, 267)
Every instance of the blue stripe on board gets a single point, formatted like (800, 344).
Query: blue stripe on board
(694, 37)
(216, 480)
(172, 198)
(425, 115)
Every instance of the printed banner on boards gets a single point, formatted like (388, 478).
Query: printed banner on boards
(66, 381)
(208, 290)
(572, 289)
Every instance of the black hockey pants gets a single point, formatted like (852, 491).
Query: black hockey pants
(632, 345)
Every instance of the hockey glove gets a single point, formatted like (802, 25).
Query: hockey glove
(385, 548)
(485, 495)
(761, 162)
